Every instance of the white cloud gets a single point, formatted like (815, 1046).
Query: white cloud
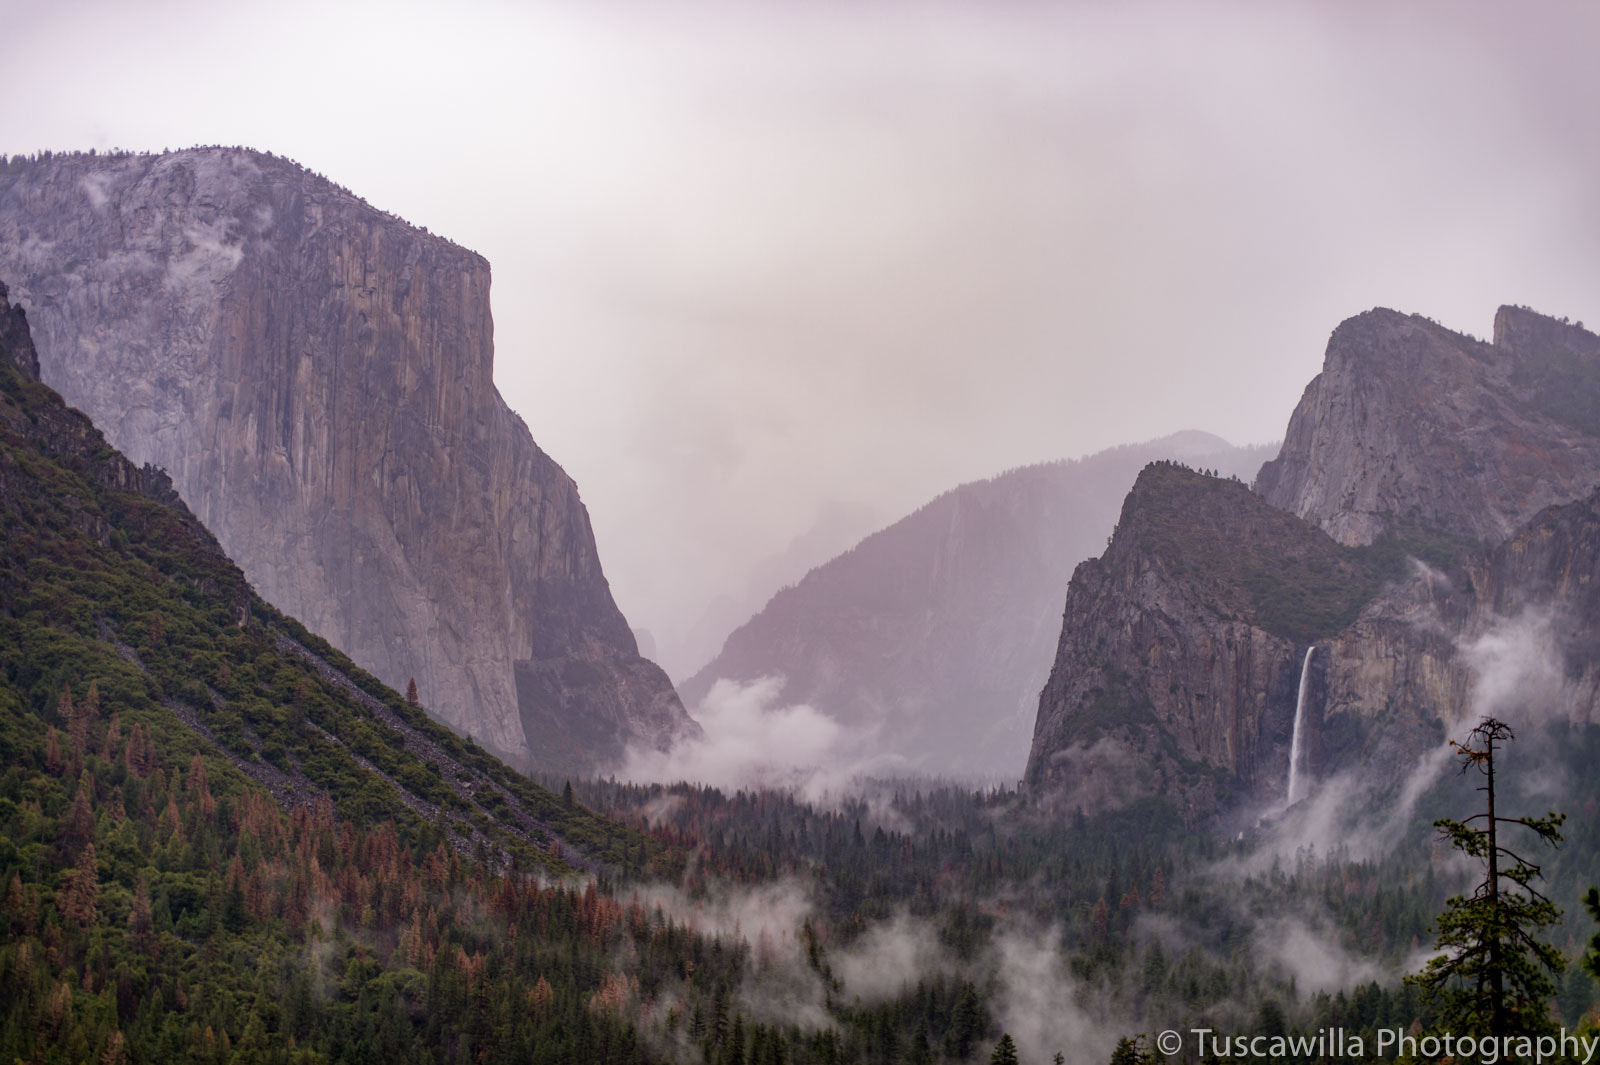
(1518, 674)
(752, 741)
(1313, 957)
(890, 957)
(1039, 1005)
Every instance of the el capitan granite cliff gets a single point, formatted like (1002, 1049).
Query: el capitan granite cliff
(316, 376)
(1435, 497)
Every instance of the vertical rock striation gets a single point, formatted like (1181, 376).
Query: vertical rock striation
(317, 377)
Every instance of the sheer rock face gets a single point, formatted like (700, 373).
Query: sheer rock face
(1180, 655)
(1411, 425)
(317, 378)
(931, 637)
(1163, 682)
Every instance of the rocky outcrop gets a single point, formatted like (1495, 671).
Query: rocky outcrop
(317, 377)
(1411, 426)
(16, 342)
(931, 638)
(1440, 558)
(1180, 650)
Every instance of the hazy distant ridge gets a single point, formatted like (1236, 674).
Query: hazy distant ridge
(934, 635)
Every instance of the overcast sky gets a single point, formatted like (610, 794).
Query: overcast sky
(753, 258)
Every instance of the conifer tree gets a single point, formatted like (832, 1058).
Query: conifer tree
(88, 717)
(918, 1052)
(80, 890)
(1591, 959)
(965, 1024)
(140, 921)
(52, 752)
(78, 826)
(1130, 1050)
(1494, 977)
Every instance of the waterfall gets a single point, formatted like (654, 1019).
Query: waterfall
(1299, 715)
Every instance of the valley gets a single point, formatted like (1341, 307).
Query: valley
(325, 740)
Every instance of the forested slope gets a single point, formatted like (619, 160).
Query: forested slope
(224, 843)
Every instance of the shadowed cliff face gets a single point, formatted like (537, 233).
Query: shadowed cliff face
(1181, 655)
(1411, 425)
(317, 378)
(1167, 680)
(16, 342)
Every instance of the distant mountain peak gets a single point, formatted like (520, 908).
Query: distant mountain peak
(1411, 424)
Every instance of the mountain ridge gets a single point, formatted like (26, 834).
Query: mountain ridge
(122, 580)
(317, 377)
(1185, 644)
(934, 633)
(226, 842)
(1412, 423)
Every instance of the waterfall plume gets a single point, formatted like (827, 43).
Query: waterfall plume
(1299, 718)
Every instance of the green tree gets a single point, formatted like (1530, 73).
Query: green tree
(1495, 976)
(966, 1024)
(1591, 959)
(1005, 1051)
(1130, 1051)
(919, 1052)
